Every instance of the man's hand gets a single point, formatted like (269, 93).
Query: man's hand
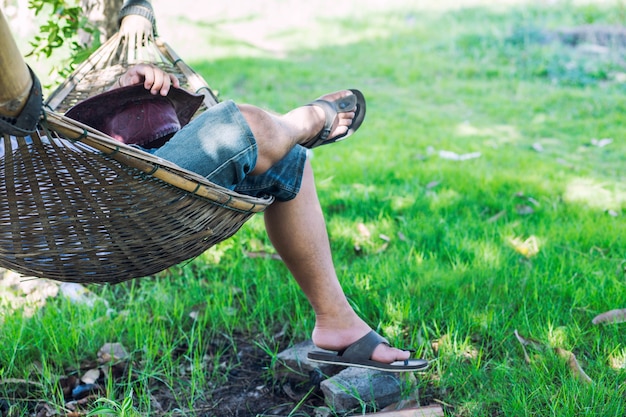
(153, 78)
(137, 29)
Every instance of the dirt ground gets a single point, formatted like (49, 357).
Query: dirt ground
(250, 391)
(250, 388)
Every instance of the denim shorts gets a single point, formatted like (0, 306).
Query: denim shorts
(219, 145)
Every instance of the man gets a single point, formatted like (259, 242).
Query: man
(255, 152)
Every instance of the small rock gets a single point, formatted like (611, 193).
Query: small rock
(112, 352)
(294, 364)
(354, 386)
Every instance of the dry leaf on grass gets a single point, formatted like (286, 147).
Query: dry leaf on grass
(363, 231)
(601, 143)
(47, 410)
(364, 236)
(528, 248)
(524, 210)
(525, 341)
(573, 364)
(617, 362)
(382, 248)
(496, 216)
(453, 156)
(527, 198)
(611, 317)
(91, 376)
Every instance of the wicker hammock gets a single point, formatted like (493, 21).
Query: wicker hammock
(93, 210)
(79, 206)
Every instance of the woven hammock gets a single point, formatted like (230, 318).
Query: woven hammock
(78, 206)
(92, 210)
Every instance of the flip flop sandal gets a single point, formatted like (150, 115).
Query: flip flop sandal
(354, 102)
(359, 355)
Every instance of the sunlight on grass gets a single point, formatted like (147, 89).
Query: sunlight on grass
(402, 202)
(274, 28)
(457, 348)
(488, 254)
(497, 135)
(395, 311)
(416, 257)
(617, 360)
(485, 319)
(599, 195)
(557, 336)
(215, 253)
(444, 198)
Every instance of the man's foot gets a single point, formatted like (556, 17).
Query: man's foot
(341, 112)
(368, 351)
(338, 340)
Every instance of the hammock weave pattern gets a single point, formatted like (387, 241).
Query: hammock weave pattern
(79, 206)
(95, 211)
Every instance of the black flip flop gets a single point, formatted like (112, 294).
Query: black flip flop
(359, 355)
(353, 102)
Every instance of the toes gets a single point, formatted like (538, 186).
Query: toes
(346, 117)
(387, 354)
(341, 130)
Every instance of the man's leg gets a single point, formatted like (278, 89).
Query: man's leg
(297, 230)
(277, 134)
(229, 143)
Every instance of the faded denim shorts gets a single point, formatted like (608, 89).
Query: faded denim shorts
(219, 145)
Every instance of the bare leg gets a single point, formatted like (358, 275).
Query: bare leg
(297, 230)
(277, 134)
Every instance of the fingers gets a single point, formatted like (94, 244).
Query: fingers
(154, 79)
(136, 28)
(174, 81)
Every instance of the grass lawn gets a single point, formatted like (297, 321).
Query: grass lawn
(489, 176)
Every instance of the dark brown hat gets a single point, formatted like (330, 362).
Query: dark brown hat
(133, 115)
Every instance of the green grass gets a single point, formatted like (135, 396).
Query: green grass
(448, 281)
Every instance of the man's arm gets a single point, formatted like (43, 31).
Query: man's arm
(141, 8)
(137, 22)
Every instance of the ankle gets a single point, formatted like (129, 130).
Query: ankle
(338, 334)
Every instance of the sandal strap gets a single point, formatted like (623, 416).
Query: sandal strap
(331, 108)
(363, 348)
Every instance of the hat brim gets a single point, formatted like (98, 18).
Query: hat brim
(95, 110)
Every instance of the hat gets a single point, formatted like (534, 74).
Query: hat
(134, 116)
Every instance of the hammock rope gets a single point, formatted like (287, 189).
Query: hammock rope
(100, 71)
